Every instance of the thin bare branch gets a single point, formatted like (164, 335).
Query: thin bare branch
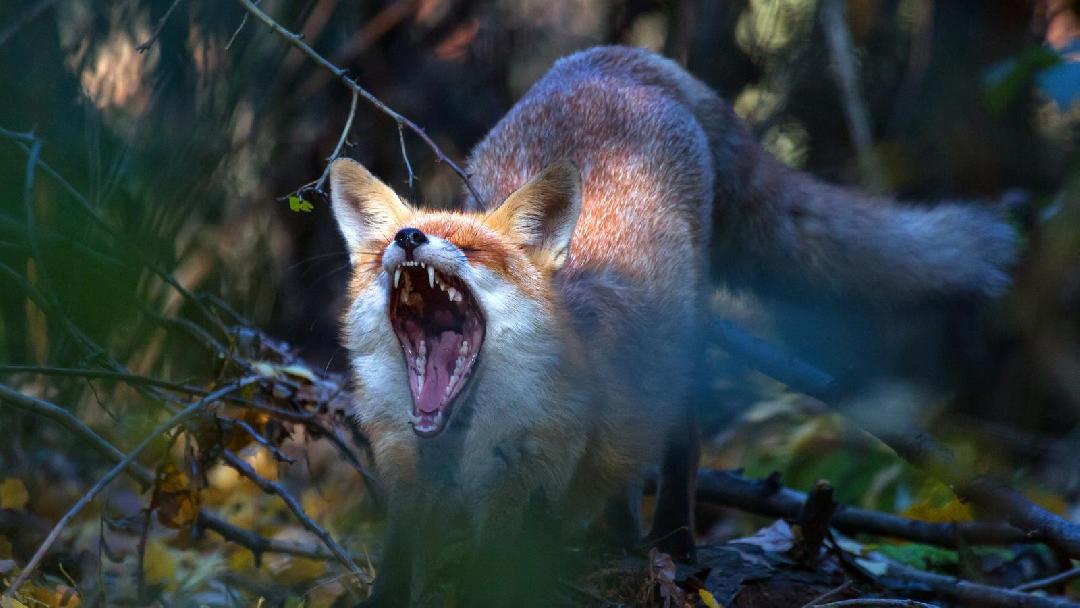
(903, 578)
(246, 538)
(272, 487)
(842, 55)
(319, 185)
(145, 46)
(101, 374)
(113, 473)
(258, 544)
(72, 423)
(257, 436)
(26, 17)
(875, 603)
(341, 74)
(1051, 581)
(405, 155)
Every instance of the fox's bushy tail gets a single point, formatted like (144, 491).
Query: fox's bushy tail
(775, 226)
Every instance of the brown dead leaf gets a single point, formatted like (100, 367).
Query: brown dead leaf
(176, 502)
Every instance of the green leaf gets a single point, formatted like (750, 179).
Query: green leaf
(298, 205)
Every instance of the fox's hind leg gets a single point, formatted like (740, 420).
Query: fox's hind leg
(673, 522)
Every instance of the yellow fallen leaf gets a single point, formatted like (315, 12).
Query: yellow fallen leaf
(10, 602)
(13, 494)
(299, 371)
(159, 564)
(951, 511)
(708, 599)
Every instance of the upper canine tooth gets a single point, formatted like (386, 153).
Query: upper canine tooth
(431, 276)
(397, 276)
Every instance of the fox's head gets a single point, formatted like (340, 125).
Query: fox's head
(438, 296)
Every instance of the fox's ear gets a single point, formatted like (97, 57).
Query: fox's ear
(542, 214)
(365, 208)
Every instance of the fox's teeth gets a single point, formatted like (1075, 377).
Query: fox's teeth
(430, 275)
(464, 350)
(423, 348)
(397, 277)
(453, 293)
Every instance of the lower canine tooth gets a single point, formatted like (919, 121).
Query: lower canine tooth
(431, 276)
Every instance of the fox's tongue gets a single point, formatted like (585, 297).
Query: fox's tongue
(442, 352)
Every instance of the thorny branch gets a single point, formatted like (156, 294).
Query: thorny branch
(342, 75)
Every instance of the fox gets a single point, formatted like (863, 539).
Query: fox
(528, 356)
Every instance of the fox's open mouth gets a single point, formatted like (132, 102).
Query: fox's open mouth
(439, 325)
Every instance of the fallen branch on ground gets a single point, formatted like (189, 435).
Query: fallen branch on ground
(903, 579)
(915, 446)
(768, 497)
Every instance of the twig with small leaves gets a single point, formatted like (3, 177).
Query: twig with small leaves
(342, 75)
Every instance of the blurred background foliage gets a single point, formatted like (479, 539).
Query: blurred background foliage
(184, 126)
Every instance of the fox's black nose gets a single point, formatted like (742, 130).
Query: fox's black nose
(409, 239)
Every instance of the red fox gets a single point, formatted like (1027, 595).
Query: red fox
(541, 344)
